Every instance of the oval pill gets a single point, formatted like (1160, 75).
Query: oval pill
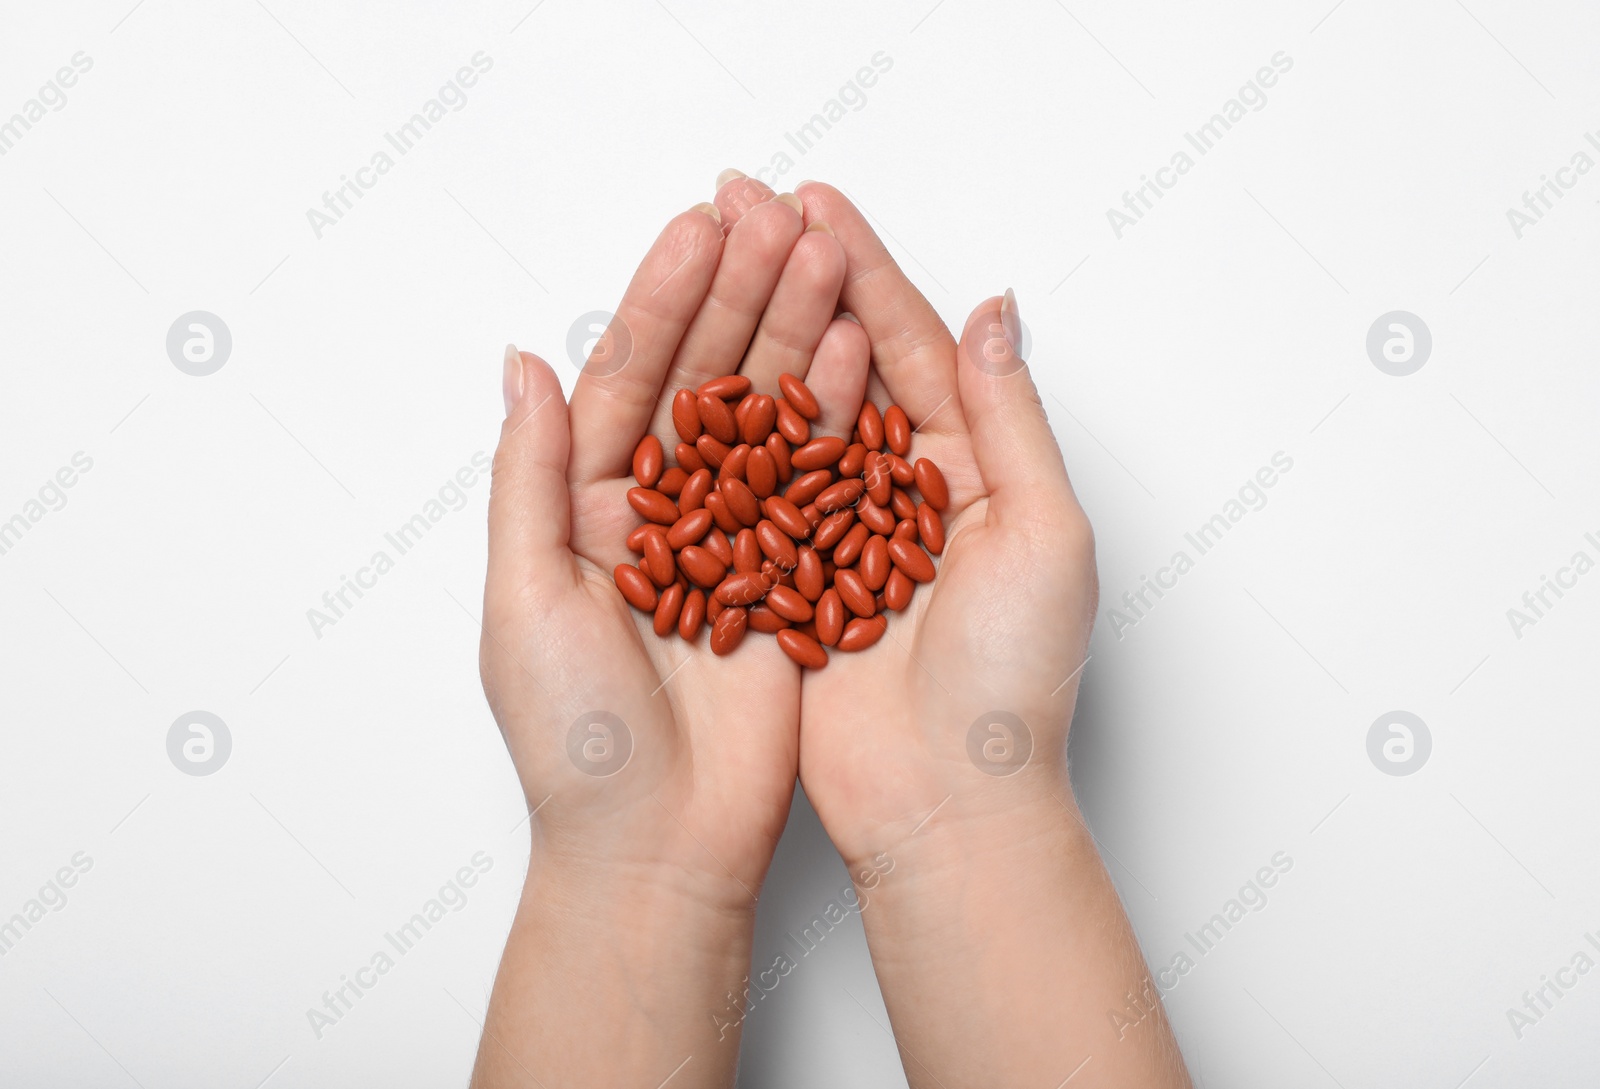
(930, 527)
(668, 609)
(830, 617)
(686, 415)
(635, 541)
(898, 590)
(733, 466)
(725, 388)
(654, 506)
(742, 503)
(778, 447)
(806, 651)
(727, 632)
(787, 517)
(833, 528)
(742, 588)
(853, 460)
(904, 530)
(876, 518)
(636, 589)
(764, 619)
(693, 614)
(717, 418)
(672, 482)
(838, 496)
(761, 472)
(759, 420)
(689, 529)
(790, 424)
(901, 503)
(861, 634)
(931, 483)
(909, 557)
(901, 472)
(808, 573)
(870, 424)
(806, 488)
(818, 453)
(854, 593)
(695, 489)
(800, 396)
(897, 430)
(789, 604)
(717, 543)
(648, 461)
(777, 545)
(718, 506)
(746, 551)
(658, 560)
(875, 564)
(702, 568)
(880, 482)
(711, 452)
(847, 551)
(688, 457)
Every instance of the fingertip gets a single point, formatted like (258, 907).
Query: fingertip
(737, 195)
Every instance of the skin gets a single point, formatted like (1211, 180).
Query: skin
(1000, 945)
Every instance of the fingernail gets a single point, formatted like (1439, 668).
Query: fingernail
(821, 226)
(792, 201)
(511, 380)
(1011, 322)
(709, 209)
(729, 175)
(847, 316)
(803, 184)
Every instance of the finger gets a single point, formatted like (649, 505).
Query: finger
(1015, 449)
(752, 260)
(529, 512)
(737, 194)
(838, 377)
(619, 388)
(911, 347)
(802, 305)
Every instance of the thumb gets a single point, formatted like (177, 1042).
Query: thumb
(1016, 450)
(529, 507)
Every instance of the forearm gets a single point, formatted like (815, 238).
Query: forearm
(1003, 952)
(616, 976)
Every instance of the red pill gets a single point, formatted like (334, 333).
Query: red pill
(806, 651)
(830, 617)
(854, 593)
(712, 453)
(635, 541)
(902, 504)
(718, 545)
(847, 551)
(787, 517)
(839, 496)
(742, 503)
(778, 447)
(686, 416)
(703, 569)
(875, 564)
(909, 557)
(668, 609)
(733, 465)
(718, 506)
(743, 588)
(672, 482)
(806, 488)
(759, 420)
(648, 461)
(808, 573)
(777, 545)
(799, 396)
(653, 505)
(930, 527)
(725, 388)
(897, 430)
(833, 528)
(790, 424)
(901, 472)
(789, 604)
(930, 482)
(818, 453)
(876, 518)
(727, 632)
(904, 530)
(761, 472)
(746, 551)
(695, 489)
(880, 484)
(764, 619)
(870, 424)
(693, 614)
(688, 458)
(690, 529)
(853, 460)
(636, 589)
(717, 418)
(898, 590)
(658, 561)
(861, 634)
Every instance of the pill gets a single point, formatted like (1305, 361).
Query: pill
(693, 496)
(778, 447)
(847, 551)
(806, 488)
(693, 614)
(898, 590)
(861, 634)
(759, 420)
(853, 460)
(761, 472)
(686, 416)
(901, 472)
(836, 497)
(690, 529)
(718, 506)
(742, 588)
(712, 451)
(880, 483)
(930, 482)
(717, 418)
(789, 604)
(654, 506)
(800, 396)
(718, 545)
(901, 503)
(728, 630)
(726, 388)
(703, 569)
(764, 619)
(636, 589)
(658, 562)
(830, 617)
(635, 541)
(787, 517)
(876, 518)
(813, 518)
(930, 527)
(854, 593)
(904, 530)
(818, 453)
(668, 610)
(833, 528)
(742, 503)
(870, 424)
(714, 608)
(808, 629)
(897, 430)
(909, 557)
(777, 545)
(688, 457)
(733, 465)
(672, 482)
(746, 551)
(803, 649)
(648, 461)
(808, 573)
(874, 563)
(790, 424)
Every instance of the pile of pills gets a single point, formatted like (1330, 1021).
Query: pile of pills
(761, 526)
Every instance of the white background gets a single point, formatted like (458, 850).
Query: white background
(1226, 326)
